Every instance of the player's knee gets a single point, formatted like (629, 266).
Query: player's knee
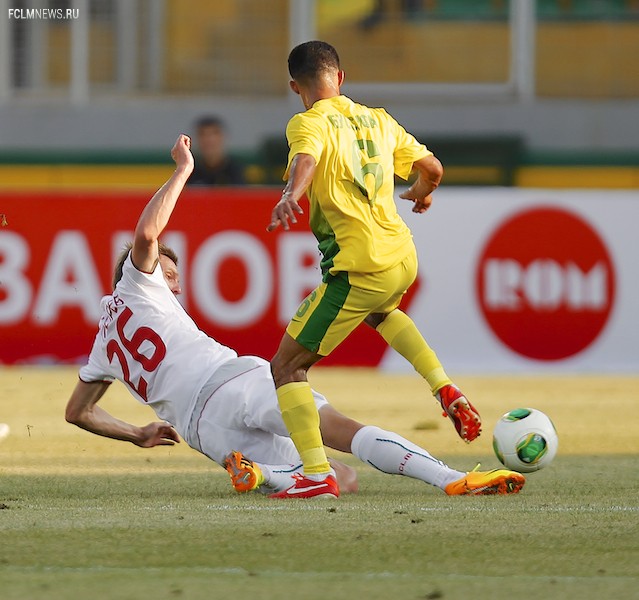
(291, 362)
(285, 371)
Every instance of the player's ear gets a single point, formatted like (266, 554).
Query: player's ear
(293, 85)
(340, 77)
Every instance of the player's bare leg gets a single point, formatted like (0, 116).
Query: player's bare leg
(399, 332)
(289, 367)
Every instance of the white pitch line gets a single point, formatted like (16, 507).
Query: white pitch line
(322, 507)
(534, 509)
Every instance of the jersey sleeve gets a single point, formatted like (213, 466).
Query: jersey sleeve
(407, 150)
(305, 134)
(94, 370)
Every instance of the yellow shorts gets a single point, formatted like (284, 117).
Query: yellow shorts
(337, 306)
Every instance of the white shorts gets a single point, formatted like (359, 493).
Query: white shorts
(237, 409)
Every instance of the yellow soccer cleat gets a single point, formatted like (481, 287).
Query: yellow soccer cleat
(483, 483)
(246, 476)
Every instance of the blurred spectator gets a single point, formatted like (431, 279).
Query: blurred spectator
(212, 165)
(382, 10)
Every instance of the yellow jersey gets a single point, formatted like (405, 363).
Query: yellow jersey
(358, 150)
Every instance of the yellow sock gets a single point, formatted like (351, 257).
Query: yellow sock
(302, 421)
(400, 333)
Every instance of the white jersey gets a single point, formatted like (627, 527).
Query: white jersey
(148, 341)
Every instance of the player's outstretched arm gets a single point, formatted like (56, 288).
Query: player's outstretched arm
(430, 172)
(156, 214)
(82, 410)
(300, 176)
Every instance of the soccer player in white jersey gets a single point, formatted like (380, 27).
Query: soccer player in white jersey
(223, 405)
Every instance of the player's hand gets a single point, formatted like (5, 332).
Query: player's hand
(181, 152)
(284, 210)
(157, 434)
(421, 200)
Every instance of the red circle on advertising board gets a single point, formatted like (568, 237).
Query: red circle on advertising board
(545, 283)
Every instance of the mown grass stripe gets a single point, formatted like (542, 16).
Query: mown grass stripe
(307, 574)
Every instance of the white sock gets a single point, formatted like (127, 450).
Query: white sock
(393, 454)
(277, 478)
(319, 476)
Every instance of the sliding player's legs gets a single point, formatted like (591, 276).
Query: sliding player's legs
(237, 410)
(248, 475)
(392, 454)
(386, 451)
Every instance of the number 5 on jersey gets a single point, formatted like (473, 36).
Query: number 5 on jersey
(361, 168)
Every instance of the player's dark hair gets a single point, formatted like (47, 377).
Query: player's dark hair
(210, 121)
(162, 249)
(311, 59)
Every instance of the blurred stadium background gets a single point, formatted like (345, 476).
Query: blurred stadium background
(552, 82)
(529, 104)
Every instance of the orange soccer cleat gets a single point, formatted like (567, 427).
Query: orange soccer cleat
(460, 411)
(246, 476)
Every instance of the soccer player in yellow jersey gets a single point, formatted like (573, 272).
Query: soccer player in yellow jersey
(344, 156)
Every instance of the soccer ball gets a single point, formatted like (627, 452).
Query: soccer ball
(525, 440)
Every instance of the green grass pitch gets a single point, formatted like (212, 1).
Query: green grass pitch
(84, 517)
(572, 533)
